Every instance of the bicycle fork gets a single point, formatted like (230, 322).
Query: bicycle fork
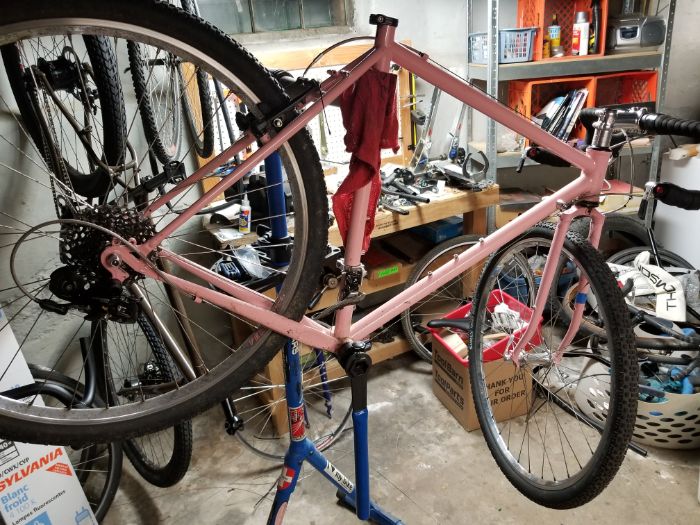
(356, 363)
(549, 278)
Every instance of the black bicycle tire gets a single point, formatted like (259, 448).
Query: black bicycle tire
(204, 145)
(106, 77)
(139, 79)
(611, 450)
(181, 454)
(629, 227)
(409, 333)
(198, 39)
(115, 449)
(626, 257)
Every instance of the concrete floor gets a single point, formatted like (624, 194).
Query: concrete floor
(425, 469)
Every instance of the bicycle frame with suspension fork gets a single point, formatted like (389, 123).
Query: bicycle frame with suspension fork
(252, 305)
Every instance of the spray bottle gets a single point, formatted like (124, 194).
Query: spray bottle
(579, 38)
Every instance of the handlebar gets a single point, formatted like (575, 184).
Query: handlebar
(665, 125)
(676, 196)
(601, 123)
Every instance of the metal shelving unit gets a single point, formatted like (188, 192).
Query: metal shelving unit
(494, 73)
(571, 66)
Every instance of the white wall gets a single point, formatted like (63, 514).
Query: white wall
(437, 28)
(677, 229)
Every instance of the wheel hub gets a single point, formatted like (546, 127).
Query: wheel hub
(83, 281)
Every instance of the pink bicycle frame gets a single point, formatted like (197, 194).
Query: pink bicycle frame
(249, 304)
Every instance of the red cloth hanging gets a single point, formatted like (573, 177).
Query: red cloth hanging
(369, 117)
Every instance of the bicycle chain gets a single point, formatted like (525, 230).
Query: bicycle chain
(51, 152)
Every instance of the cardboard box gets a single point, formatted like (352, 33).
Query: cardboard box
(451, 383)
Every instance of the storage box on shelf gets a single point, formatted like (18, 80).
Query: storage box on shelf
(626, 88)
(514, 45)
(538, 13)
(528, 98)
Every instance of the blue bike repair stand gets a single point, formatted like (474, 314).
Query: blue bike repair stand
(354, 359)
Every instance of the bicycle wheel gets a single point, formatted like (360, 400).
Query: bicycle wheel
(158, 94)
(97, 467)
(161, 458)
(47, 261)
(69, 95)
(262, 405)
(537, 432)
(444, 300)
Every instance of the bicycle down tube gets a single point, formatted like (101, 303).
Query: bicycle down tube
(252, 305)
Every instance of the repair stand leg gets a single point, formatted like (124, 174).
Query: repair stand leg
(356, 363)
(302, 449)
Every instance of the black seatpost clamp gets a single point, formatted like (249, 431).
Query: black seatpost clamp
(383, 20)
(356, 362)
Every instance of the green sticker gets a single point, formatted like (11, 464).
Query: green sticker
(388, 271)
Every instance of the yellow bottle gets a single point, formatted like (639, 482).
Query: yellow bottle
(554, 32)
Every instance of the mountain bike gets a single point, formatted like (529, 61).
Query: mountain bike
(113, 251)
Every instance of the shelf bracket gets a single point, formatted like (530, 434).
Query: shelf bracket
(492, 90)
(655, 163)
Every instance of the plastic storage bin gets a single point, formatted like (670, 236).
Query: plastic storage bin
(496, 351)
(673, 423)
(514, 45)
(440, 230)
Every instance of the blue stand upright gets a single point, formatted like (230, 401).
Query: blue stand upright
(356, 362)
(301, 448)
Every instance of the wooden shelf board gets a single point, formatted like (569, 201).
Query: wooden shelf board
(453, 202)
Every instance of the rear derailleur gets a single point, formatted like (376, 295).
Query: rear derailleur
(96, 296)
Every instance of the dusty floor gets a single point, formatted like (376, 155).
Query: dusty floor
(425, 469)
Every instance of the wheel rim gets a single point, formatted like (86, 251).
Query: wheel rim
(263, 409)
(438, 304)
